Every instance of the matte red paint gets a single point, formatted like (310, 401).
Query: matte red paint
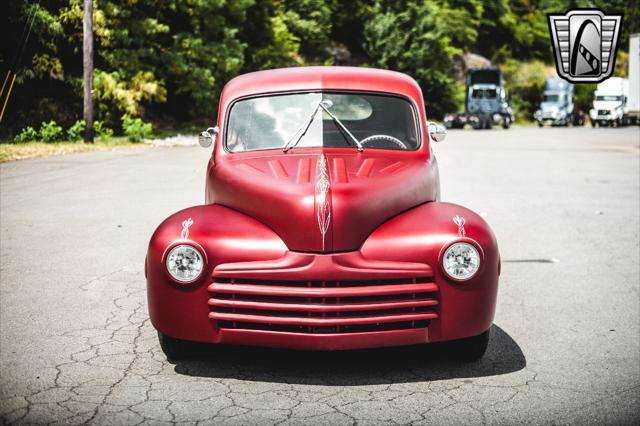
(267, 263)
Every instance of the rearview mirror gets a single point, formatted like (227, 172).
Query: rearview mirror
(437, 132)
(205, 139)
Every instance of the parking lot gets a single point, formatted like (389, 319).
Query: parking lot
(76, 344)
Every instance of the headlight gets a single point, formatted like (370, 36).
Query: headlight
(184, 263)
(461, 261)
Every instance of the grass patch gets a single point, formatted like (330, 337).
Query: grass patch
(22, 151)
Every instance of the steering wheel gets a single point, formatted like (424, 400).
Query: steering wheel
(384, 138)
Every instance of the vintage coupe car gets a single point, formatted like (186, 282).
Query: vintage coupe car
(322, 227)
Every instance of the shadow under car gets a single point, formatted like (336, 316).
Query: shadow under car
(355, 367)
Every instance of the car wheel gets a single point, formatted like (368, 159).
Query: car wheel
(175, 349)
(471, 348)
(540, 125)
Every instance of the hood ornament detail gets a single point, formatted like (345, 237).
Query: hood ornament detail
(322, 197)
(460, 221)
(185, 228)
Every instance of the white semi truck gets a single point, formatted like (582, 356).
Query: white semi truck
(557, 106)
(617, 100)
(610, 102)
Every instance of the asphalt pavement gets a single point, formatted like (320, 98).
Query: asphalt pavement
(76, 345)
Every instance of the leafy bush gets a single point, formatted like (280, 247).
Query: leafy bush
(51, 132)
(113, 91)
(27, 134)
(101, 130)
(135, 129)
(75, 132)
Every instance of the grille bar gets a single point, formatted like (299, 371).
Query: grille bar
(271, 290)
(321, 307)
(267, 319)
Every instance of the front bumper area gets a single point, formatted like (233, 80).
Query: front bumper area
(390, 292)
(324, 342)
(322, 302)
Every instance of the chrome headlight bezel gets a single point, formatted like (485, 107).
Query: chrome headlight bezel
(189, 245)
(448, 247)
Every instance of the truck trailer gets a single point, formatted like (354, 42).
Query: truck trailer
(632, 111)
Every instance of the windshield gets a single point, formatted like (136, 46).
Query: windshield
(552, 98)
(272, 122)
(484, 93)
(608, 98)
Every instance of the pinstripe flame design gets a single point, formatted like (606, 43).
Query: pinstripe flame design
(323, 206)
(460, 221)
(185, 228)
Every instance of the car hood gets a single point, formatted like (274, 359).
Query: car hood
(323, 201)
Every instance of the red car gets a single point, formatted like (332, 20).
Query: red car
(322, 227)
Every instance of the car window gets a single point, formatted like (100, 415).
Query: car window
(273, 121)
(552, 98)
(484, 93)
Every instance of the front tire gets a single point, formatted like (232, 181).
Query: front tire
(472, 348)
(175, 349)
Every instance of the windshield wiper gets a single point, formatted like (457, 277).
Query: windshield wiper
(301, 130)
(340, 125)
(325, 104)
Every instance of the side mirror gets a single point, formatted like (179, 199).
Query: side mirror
(437, 132)
(205, 139)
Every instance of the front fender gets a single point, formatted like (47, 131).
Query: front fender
(225, 235)
(421, 235)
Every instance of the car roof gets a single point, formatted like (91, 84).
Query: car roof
(321, 78)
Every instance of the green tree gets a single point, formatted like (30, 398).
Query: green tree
(410, 37)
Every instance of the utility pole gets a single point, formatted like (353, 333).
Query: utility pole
(87, 62)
